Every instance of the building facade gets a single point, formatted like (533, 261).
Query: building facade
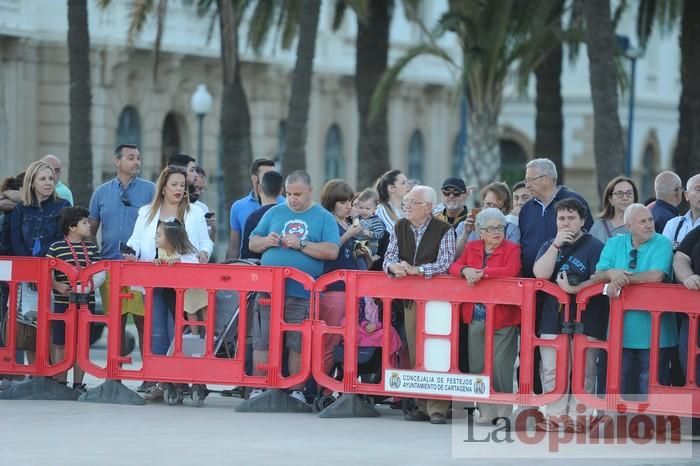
(130, 105)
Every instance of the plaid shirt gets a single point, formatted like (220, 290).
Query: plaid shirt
(445, 257)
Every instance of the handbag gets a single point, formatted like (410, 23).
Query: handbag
(25, 329)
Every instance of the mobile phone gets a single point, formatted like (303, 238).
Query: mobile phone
(209, 215)
(474, 212)
(125, 249)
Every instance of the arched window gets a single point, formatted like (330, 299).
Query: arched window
(171, 137)
(129, 127)
(333, 152)
(513, 160)
(281, 145)
(416, 154)
(649, 171)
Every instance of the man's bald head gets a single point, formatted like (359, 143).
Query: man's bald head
(55, 163)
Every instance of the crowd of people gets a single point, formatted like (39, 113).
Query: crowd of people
(536, 228)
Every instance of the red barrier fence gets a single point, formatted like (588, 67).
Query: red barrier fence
(444, 335)
(656, 299)
(205, 368)
(18, 270)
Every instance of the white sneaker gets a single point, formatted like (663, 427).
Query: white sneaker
(298, 395)
(255, 392)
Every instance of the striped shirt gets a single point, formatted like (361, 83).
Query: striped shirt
(61, 250)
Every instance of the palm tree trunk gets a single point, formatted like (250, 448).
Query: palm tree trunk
(297, 119)
(549, 122)
(236, 148)
(80, 98)
(607, 137)
(483, 161)
(372, 49)
(686, 157)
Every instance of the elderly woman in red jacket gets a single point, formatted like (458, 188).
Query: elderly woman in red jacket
(492, 256)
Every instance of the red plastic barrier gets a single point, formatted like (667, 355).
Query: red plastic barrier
(14, 271)
(207, 368)
(657, 299)
(519, 292)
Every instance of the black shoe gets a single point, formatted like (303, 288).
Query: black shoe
(438, 418)
(417, 415)
(81, 387)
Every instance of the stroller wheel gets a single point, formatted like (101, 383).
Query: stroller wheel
(171, 394)
(325, 401)
(198, 394)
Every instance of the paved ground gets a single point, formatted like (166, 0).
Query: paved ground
(74, 433)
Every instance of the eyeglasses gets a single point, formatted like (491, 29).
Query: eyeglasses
(413, 202)
(678, 188)
(494, 229)
(530, 180)
(452, 193)
(633, 259)
(125, 200)
(621, 194)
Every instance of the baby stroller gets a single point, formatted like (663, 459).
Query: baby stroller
(369, 352)
(225, 343)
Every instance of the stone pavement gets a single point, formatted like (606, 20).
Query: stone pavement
(74, 433)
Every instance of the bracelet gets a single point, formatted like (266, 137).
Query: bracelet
(555, 246)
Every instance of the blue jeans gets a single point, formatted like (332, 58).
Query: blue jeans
(635, 371)
(162, 321)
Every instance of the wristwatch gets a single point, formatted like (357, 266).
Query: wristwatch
(302, 245)
(421, 270)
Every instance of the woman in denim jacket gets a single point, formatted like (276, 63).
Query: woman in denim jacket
(34, 224)
(34, 221)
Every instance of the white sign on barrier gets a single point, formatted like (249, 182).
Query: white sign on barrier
(5, 271)
(435, 383)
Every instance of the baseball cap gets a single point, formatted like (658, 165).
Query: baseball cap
(456, 183)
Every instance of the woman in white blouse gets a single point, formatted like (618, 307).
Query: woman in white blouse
(391, 188)
(171, 201)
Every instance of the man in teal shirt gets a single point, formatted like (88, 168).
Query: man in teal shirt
(640, 256)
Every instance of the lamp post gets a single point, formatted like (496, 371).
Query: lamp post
(632, 54)
(201, 102)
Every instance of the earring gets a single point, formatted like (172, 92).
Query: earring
(162, 193)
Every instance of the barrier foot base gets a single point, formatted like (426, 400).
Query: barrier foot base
(40, 388)
(112, 392)
(273, 401)
(524, 418)
(349, 405)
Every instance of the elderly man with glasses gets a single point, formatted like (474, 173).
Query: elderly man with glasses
(640, 256)
(537, 219)
(420, 245)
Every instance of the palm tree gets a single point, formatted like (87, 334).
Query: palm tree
(80, 98)
(549, 120)
(298, 116)
(495, 39)
(372, 61)
(607, 131)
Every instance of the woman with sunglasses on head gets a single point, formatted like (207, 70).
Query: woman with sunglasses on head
(171, 202)
(619, 194)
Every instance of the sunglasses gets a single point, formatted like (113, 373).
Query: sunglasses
(125, 200)
(452, 193)
(633, 259)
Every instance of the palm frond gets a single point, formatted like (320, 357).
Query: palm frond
(381, 93)
(339, 13)
(294, 11)
(160, 25)
(261, 23)
(103, 3)
(138, 15)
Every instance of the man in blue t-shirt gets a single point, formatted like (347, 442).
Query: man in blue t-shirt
(299, 234)
(242, 208)
(640, 256)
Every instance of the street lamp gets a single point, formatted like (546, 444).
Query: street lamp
(632, 54)
(200, 102)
